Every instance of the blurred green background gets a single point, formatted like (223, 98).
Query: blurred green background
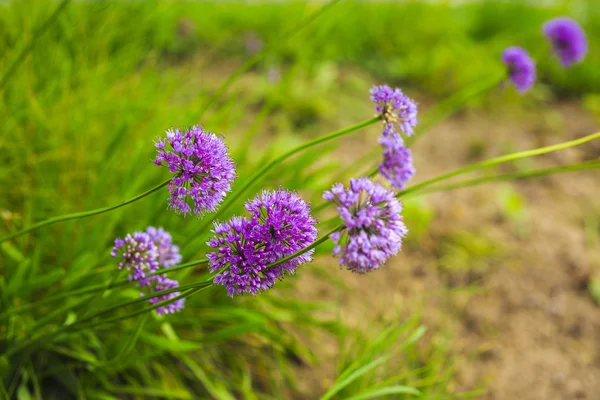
(80, 112)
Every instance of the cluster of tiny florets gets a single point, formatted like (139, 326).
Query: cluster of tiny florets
(143, 253)
(521, 68)
(397, 165)
(161, 283)
(395, 108)
(372, 225)
(138, 253)
(279, 224)
(568, 40)
(202, 167)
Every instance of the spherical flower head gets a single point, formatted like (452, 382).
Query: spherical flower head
(168, 253)
(397, 165)
(279, 225)
(283, 222)
(138, 253)
(159, 283)
(145, 252)
(395, 108)
(202, 167)
(521, 68)
(240, 258)
(373, 227)
(568, 39)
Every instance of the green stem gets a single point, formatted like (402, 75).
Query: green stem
(97, 288)
(83, 214)
(307, 248)
(260, 172)
(76, 324)
(514, 176)
(257, 57)
(500, 160)
(144, 310)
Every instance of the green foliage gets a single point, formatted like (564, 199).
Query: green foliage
(79, 115)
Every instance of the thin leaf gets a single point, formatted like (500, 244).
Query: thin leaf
(340, 384)
(380, 392)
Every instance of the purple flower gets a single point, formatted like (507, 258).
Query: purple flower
(144, 253)
(202, 167)
(373, 228)
(168, 254)
(138, 253)
(161, 282)
(279, 225)
(397, 164)
(395, 108)
(284, 219)
(568, 40)
(521, 68)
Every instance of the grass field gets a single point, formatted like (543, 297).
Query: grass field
(85, 92)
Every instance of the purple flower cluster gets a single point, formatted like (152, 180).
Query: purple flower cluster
(373, 227)
(279, 224)
(397, 165)
(143, 253)
(159, 283)
(521, 68)
(202, 167)
(395, 108)
(568, 40)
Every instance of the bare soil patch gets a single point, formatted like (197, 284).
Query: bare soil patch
(530, 329)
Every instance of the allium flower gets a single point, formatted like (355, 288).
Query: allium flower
(168, 254)
(138, 253)
(202, 167)
(161, 282)
(143, 253)
(397, 164)
(395, 108)
(279, 225)
(373, 228)
(568, 40)
(284, 219)
(521, 68)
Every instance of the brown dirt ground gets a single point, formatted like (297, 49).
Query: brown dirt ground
(533, 330)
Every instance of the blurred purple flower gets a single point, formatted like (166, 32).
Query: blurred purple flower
(144, 253)
(254, 44)
(395, 108)
(161, 282)
(397, 165)
(373, 228)
(138, 253)
(568, 40)
(202, 167)
(521, 68)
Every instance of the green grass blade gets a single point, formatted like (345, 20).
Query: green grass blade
(340, 384)
(385, 391)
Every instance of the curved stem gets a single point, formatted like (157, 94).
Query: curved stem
(305, 249)
(97, 288)
(83, 214)
(500, 160)
(513, 176)
(45, 337)
(260, 172)
(144, 310)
